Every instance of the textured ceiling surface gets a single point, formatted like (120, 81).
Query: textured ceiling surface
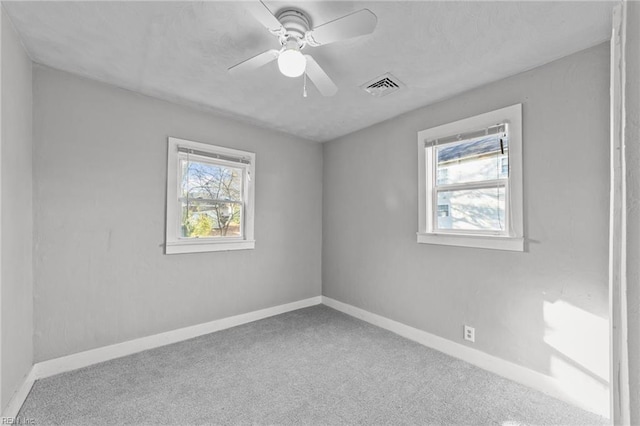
(180, 51)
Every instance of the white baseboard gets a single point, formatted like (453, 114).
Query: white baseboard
(16, 401)
(533, 379)
(517, 373)
(106, 353)
(94, 356)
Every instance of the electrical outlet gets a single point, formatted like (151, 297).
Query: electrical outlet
(469, 333)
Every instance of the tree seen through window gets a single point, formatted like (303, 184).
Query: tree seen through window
(211, 197)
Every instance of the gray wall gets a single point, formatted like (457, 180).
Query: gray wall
(632, 104)
(16, 292)
(521, 304)
(99, 178)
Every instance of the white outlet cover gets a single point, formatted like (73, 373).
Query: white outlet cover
(469, 333)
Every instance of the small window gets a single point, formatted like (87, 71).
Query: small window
(209, 198)
(469, 196)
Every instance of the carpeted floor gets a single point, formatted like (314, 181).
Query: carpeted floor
(312, 366)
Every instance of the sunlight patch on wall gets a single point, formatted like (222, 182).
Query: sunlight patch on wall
(581, 344)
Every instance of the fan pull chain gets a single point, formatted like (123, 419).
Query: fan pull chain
(304, 85)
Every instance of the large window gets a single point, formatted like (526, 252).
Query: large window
(209, 198)
(471, 182)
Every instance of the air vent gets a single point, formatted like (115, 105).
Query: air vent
(383, 85)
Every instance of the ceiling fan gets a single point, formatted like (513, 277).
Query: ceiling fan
(294, 32)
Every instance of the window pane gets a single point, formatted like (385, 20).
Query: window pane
(211, 198)
(210, 219)
(472, 209)
(211, 181)
(473, 160)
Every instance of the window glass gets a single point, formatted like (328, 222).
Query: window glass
(211, 199)
(472, 160)
(480, 209)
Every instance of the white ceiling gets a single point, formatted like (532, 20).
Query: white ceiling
(180, 51)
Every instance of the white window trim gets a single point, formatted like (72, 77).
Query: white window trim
(514, 240)
(176, 245)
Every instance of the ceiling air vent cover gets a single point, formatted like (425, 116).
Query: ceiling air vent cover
(383, 85)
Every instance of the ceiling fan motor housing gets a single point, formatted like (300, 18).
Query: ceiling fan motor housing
(296, 24)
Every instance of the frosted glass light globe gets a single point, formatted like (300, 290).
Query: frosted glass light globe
(292, 63)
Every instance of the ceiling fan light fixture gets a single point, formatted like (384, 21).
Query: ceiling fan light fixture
(292, 62)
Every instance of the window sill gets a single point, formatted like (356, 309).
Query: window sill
(475, 241)
(205, 246)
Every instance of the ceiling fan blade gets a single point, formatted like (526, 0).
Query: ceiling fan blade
(260, 11)
(256, 62)
(320, 78)
(353, 25)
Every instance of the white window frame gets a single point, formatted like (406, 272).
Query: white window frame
(175, 244)
(513, 237)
